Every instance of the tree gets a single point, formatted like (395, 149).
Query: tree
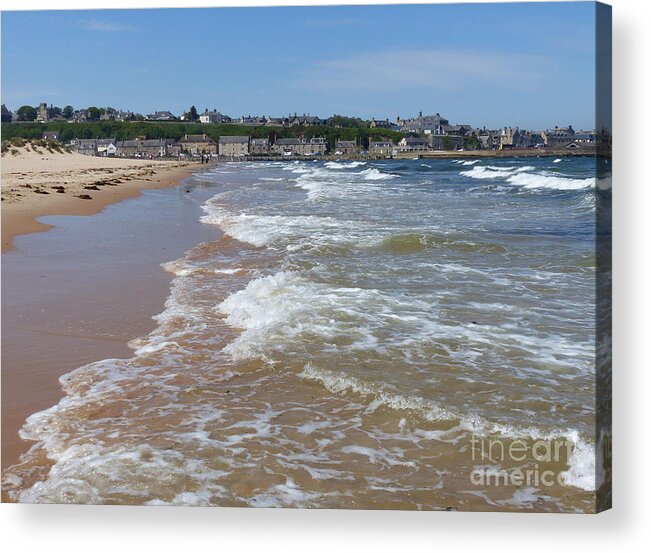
(56, 111)
(471, 142)
(68, 111)
(193, 115)
(26, 113)
(343, 122)
(94, 113)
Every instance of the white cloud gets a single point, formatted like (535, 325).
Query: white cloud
(397, 70)
(105, 26)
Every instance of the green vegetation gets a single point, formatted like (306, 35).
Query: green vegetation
(347, 122)
(125, 130)
(95, 113)
(193, 115)
(26, 113)
(471, 142)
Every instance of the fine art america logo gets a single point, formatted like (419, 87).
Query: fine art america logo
(532, 459)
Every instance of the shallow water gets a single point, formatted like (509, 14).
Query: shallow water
(355, 334)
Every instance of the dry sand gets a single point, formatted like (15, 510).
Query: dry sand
(36, 182)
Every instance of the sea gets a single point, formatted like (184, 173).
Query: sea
(391, 334)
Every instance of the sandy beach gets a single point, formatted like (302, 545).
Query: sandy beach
(36, 182)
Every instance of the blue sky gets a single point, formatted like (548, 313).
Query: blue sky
(528, 64)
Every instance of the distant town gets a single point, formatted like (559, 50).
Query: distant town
(88, 131)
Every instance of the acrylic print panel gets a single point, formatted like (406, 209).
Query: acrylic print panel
(378, 270)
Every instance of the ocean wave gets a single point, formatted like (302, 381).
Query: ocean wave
(341, 165)
(268, 230)
(276, 313)
(375, 174)
(525, 178)
(529, 180)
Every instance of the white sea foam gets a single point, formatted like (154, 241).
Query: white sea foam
(375, 174)
(264, 230)
(529, 180)
(581, 472)
(340, 165)
(493, 172)
(557, 160)
(526, 178)
(276, 311)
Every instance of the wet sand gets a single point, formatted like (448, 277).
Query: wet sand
(39, 183)
(81, 291)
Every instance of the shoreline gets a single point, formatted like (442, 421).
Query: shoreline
(80, 316)
(21, 217)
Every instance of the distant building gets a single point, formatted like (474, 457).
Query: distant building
(154, 147)
(197, 144)
(106, 147)
(346, 147)
(234, 146)
(277, 122)
(558, 136)
(80, 116)
(138, 147)
(382, 148)
(585, 136)
(316, 146)
(85, 146)
(51, 135)
(537, 139)
(213, 116)
(174, 148)
(161, 116)
(288, 146)
(300, 147)
(457, 130)
(413, 143)
(8, 116)
(116, 115)
(44, 113)
(251, 121)
(513, 138)
(587, 147)
(121, 115)
(380, 124)
(127, 148)
(259, 146)
(304, 120)
(424, 124)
